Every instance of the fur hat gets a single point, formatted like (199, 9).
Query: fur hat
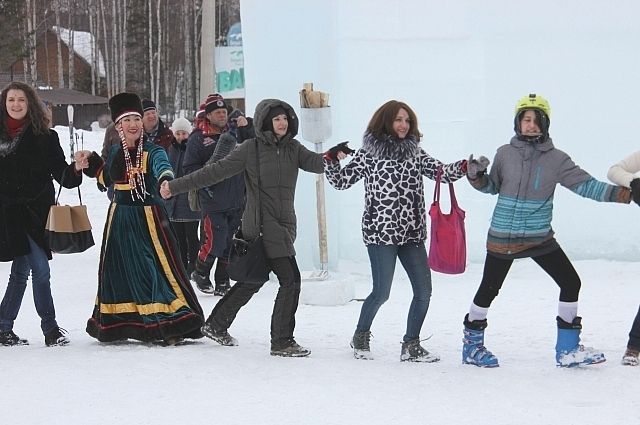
(214, 101)
(123, 104)
(181, 124)
(148, 104)
(273, 112)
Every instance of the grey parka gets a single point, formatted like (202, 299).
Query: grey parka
(280, 161)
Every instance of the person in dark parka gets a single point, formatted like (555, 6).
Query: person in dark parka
(30, 156)
(280, 158)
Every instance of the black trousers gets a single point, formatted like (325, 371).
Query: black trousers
(555, 263)
(187, 235)
(283, 319)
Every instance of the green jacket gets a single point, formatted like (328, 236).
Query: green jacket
(280, 161)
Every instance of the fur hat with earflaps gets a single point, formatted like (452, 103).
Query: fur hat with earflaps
(123, 104)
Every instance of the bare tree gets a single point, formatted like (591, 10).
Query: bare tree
(106, 49)
(158, 56)
(167, 67)
(72, 65)
(56, 11)
(46, 55)
(115, 80)
(186, 82)
(197, 36)
(31, 37)
(93, 31)
(122, 44)
(152, 81)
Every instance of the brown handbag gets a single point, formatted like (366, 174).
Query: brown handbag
(68, 229)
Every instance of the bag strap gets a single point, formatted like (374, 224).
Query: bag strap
(452, 194)
(64, 172)
(436, 192)
(259, 190)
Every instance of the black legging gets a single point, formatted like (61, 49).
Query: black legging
(555, 263)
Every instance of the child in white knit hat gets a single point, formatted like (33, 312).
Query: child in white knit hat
(185, 222)
(181, 128)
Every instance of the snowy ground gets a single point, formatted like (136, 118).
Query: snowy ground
(92, 383)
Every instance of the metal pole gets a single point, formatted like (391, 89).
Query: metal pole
(322, 220)
(70, 116)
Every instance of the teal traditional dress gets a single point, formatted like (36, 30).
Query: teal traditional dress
(143, 290)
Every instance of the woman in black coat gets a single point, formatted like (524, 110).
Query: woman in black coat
(30, 156)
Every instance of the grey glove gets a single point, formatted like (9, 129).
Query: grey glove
(476, 168)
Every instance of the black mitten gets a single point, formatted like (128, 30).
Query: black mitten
(332, 153)
(635, 190)
(118, 169)
(95, 164)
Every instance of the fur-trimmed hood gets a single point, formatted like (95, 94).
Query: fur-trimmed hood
(390, 148)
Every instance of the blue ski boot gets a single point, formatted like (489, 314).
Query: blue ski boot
(473, 350)
(569, 352)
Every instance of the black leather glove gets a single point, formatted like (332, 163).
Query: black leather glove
(476, 168)
(635, 190)
(332, 153)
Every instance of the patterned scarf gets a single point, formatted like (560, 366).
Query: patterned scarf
(209, 129)
(15, 130)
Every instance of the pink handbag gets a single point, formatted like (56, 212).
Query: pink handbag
(448, 246)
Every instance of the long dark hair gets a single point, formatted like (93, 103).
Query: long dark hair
(36, 115)
(381, 124)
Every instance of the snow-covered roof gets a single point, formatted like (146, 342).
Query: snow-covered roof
(82, 42)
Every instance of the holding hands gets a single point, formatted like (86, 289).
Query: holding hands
(165, 192)
(339, 151)
(635, 190)
(81, 159)
(476, 168)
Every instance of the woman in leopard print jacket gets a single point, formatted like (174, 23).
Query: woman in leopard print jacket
(392, 164)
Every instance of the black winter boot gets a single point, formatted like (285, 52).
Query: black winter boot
(289, 348)
(221, 279)
(8, 338)
(201, 277)
(221, 336)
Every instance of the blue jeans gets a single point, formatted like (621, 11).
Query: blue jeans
(634, 335)
(37, 263)
(413, 258)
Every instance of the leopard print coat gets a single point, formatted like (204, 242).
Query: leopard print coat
(394, 212)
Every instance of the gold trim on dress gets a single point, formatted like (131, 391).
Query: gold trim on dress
(152, 308)
(151, 224)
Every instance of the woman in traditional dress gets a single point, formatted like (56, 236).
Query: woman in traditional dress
(143, 290)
